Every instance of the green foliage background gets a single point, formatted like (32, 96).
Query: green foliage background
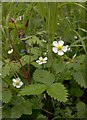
(58, 88)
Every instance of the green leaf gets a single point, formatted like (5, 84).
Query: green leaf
(35, 40)
(75, 91)
(36, 65)
(33, 89)
(6, 96)
(5, 70)
(80, 79)
(25, 59)
(43, 76)
(59, 66)
(27, 108)
(58, 91)
(6, 113)
(81, 110)
(16, 112)
(22, 108)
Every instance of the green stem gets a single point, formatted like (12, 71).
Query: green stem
(16, 56)
(49, 38)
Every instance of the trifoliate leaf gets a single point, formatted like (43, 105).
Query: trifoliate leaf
(6, 96)
(33, 89)
(58, 91)
(43, 76)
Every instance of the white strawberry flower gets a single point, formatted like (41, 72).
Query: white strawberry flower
(59, 47)
(17, 82)
(10, 51)
(41, 60)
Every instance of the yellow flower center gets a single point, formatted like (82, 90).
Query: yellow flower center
(72, 60)
(17, 82)
(41, 60)
(59, 47)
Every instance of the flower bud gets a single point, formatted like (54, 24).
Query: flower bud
(12, 20)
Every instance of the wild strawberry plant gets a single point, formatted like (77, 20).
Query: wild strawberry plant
(43, 63)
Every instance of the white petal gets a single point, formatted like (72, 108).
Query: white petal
(60, 52)
(21, 83)
(10, 51)
(40, 58)
(14, 80)
(64, 48)
(68, 48)
(17, 86)
(14, 84)
(55, 50)
(37, 61)
(60, 42)
(55, 43)
(40, 63)
(44, 61)
(18, 79)
(74, 55)
(45, 58)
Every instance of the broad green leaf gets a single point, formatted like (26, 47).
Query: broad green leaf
(75, 91)
(16, 112)
(81, 110)
(43, 76)
(22, 108)
(6, 96)
(17, 100)
(27, 108)
(33, 89)
(36, 65)
(6, 113)
(80, 79)
(25, 59)
(59, 66)
(58, 91)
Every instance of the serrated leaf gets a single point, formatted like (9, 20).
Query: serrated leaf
(81, 109)
(58, 91)
(43, 76)
(6, 96)
(79, 77)
(33, 89)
